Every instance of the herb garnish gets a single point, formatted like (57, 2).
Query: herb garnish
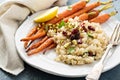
(61, 24)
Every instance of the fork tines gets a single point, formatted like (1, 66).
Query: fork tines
(115, 38)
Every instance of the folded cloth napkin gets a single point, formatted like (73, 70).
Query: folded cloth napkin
(12, 14)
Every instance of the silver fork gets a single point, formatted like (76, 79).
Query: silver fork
(97, 69)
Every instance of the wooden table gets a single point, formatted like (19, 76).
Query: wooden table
(31, 73)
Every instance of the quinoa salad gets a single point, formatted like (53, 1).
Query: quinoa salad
(78, 42)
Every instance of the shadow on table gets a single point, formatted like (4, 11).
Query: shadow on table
(34, 74)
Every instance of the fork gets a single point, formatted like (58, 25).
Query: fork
(97, 69)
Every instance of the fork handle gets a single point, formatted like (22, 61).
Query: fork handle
(96, 72)
(97, 69)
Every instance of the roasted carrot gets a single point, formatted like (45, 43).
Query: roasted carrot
(49, 47)
(47, 43)
(26, 44)
(39, 34)
(74, 8)
(94, 13)
(35, 45)
(102, 18)
(87, 16)
(32, 31)
(83, 16)
(84, 10)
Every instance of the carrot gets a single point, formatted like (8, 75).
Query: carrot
(49, 47)
(39, 34)
(94, 13)
(33, 31)
(37, 44)
(47, 43)
(87, 16)
(102, 18)
(83, 16)
(26, 44)
(84, 10)
(74, 8)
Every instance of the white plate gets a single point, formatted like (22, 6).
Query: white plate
(46, 62)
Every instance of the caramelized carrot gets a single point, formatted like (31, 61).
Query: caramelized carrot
(26, 44)
(49, 47)
(87, 16)
(47, 43)
(37, 44)
(39, 34)
(84, 10)
(87, 9)
(102, 18)
(74, 8)
(83, 16)
(94, 13)
(33, 31)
